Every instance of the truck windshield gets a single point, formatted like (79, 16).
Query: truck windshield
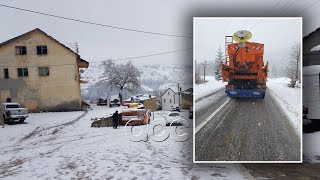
(12, 106)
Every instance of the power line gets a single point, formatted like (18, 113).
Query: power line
(315, 2)
(97, 24)
(272, 9)
(120, 59)
(288, 8)
(150, 55)
(310, 18)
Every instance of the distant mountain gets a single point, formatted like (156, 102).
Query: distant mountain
(154, 80)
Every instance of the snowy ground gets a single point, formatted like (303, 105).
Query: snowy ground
(64, 146)
(201, 90)
(288, 98)
(311, 99)
(311, 90)
(311, 70)
(311, 147)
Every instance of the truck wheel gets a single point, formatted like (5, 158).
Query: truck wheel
(21, 120)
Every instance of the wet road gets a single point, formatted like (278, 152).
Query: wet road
(246, 130)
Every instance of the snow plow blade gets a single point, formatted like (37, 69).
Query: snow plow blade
(251, 93)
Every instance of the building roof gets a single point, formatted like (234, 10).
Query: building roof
(84, 63)
(188, 91)
(141, 97)
(309, 35)
(167, 90)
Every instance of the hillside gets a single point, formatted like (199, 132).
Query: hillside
(154, 80)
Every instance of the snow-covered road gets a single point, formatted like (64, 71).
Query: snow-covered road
(248, 130)
(244, 125)
(55, 146)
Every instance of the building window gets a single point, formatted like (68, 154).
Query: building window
(168, 93)
(164, 100)
(170, 100)
(6, 73)
(21, 50)
(43, 71)
(23, 72)
(42, 50)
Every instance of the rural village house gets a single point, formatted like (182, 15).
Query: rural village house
(187, 98)
(169, 98)
(39, 72)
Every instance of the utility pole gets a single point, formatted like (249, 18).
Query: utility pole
(204, 69)
(179, 94)
(77, 48)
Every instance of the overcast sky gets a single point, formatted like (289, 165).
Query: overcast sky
(277, 34)
(166, 16)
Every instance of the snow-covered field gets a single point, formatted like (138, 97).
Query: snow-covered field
(64, 146)
(288, 98)
(201, 90)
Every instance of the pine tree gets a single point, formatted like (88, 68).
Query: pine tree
(218, 64)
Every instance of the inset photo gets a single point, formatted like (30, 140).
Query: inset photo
(247, 90)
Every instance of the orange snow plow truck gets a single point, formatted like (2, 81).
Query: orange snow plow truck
(244, 69)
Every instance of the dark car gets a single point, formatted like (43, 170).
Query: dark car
(102, 102)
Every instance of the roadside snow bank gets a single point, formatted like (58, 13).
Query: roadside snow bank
(288, 98)
(201, 90)
(311, 70)
(311, 147)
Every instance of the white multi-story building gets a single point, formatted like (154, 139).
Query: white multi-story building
(169, 98)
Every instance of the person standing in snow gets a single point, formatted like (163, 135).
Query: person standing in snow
(115, 118)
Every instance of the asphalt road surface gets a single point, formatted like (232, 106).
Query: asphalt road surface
(245, 130)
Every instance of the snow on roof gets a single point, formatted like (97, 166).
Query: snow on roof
(11, 103)
(133, 109)
(311, 70)
(316, 48)
(188, 91)
(141, 97)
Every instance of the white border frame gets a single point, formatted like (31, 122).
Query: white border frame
(301, 94)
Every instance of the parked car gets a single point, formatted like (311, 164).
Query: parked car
(191, 112)
(14, 112)
(114, 101)
(175, 107)
(173, 118)
(102, 102)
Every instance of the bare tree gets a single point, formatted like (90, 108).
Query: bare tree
(122, 76)
(218, 64)
(294, 66)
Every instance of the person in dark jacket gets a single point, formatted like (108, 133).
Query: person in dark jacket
(115, 118)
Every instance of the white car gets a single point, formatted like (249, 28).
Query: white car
(14, 111)
(173, 118)
(114, 101)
